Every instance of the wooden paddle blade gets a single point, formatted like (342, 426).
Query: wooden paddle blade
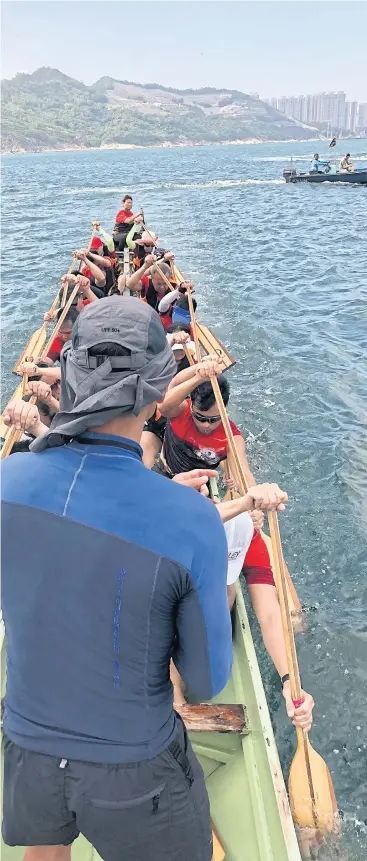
(313, 803)
(33, 349)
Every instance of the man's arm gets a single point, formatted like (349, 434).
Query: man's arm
(22, 415)
(133, 282)
(203, 653)
(184, 383)
(97, 273)
(130, 242)
(102, 262)
(52, 375)
(265, 602)
(168, 300)
(107, 239)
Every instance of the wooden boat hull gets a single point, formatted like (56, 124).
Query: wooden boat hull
(249, 804)
(358, 177)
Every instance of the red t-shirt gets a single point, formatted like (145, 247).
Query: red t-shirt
(55, 349)
(122, 216)
(184, 427)
(88, 274)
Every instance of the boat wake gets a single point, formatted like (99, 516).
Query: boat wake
(214, 183)
(225, 183)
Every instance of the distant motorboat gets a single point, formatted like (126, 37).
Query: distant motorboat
(356, 176)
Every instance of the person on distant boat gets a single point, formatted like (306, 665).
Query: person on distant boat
(346, 164)
(92, 742)
(124, 220)
(317, 164)
(241, 524)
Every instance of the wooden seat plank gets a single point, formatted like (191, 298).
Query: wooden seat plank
(213, 717)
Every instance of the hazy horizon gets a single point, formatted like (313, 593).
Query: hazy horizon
(272, 48)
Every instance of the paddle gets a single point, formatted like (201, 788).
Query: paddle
(242, 482)
(69, 303)
(13, 435)
(35, 345)
(311, 792)
(36, 342)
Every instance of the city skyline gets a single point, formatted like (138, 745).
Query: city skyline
(331, 108)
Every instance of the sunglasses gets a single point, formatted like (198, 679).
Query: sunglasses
(210, 420)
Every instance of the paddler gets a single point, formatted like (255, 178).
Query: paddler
(346, 164)
(242, 521)
(154, 430)
(195, 435)
(125, 218)
(146, 244)
(64, 335)
(151, 286)
(96, 265)
(316, 164)
(92, 743)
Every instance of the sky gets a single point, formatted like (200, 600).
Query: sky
(272, 48)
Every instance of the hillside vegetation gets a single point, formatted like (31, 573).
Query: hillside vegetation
(49, 110)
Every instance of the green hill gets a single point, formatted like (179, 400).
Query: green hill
(49, 110)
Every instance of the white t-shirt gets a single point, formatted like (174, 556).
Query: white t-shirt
(239, 532)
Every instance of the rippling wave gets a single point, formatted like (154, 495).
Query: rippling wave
(280, 274)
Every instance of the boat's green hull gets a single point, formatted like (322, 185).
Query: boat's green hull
(248, 800)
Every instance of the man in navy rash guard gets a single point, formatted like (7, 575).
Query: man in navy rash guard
(108, 572)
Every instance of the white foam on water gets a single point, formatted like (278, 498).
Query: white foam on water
(214, 183)
(94, 190)
(223, 183)
(282, 158)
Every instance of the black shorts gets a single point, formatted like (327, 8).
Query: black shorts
(157, 426)
(156, 810)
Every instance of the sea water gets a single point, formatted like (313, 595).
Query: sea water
(280, 275)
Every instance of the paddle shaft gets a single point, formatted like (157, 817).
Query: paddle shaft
(293, 668)
(193, 324)
(13, 435)
(68, 304)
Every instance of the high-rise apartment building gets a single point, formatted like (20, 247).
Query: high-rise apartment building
(329, 108)
(353, 116)
(362, 115)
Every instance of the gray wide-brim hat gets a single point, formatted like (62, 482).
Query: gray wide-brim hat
(96, 389)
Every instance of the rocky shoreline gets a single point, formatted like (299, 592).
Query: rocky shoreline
(163, 145)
